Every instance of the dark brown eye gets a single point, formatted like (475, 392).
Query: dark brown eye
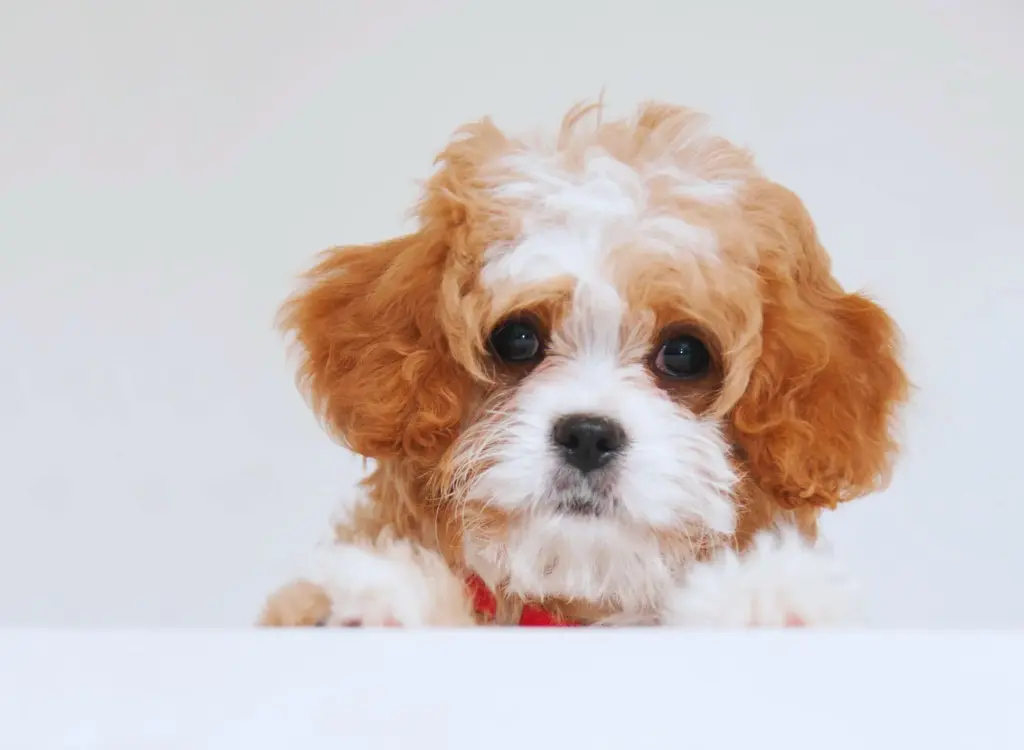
(516, 341)
(683, 357)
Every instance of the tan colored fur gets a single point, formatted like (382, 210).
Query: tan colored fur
(392, 339)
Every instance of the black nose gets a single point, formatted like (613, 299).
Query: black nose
(588, 442)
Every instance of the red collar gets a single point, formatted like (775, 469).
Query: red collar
(485, 604)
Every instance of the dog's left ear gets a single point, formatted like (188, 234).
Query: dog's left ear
(816, 421)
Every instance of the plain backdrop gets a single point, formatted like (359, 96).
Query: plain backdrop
(167, 168)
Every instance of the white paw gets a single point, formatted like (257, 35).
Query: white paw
(781, 581)
(389, 583)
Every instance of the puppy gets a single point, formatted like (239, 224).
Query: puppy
(609, 379)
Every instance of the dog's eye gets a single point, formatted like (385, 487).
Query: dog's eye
(515, 341)
(683, 357)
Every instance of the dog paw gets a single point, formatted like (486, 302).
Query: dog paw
(386, 584)
(781, 581)
(296, 604)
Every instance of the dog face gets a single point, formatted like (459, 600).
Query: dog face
(590, 341)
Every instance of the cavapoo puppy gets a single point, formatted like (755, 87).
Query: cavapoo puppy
(609, 379)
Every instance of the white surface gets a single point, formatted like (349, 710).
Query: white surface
(167, 167)
(594, 689)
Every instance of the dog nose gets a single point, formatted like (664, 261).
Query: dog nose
(588, 442)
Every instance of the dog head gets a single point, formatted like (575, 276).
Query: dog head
(590, 340)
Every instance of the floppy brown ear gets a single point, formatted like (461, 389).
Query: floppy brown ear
(374, 358)
(817, 418)
(389, 333)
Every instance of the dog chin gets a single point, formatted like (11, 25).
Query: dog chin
(581, 553)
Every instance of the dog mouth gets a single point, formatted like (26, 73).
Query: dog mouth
(583, 496)
(582, 507)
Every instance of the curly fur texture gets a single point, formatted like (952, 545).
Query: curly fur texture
(607, 236)
(815, 422)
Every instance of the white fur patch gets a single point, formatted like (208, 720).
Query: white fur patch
(572, 221)
(390, 582)
(781, 580)
(545, 254)
(598, 560)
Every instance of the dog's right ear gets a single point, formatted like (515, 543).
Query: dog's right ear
(374, 361)
(389, 334)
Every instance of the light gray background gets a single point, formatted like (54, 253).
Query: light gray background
(166, 168)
